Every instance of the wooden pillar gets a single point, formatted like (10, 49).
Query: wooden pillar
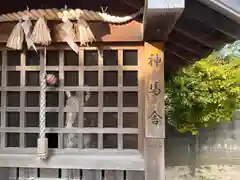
(153, 72)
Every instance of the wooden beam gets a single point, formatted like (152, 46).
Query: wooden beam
(134, 3)
(154, 159)
(174, 62)
(180, 45)
(203, 31)
(171, 65)
(152, 68)
(103, 32)
(186, 54)
(86, 160)
(195, 30)
(227, 8)
(212, 18)
(160, 16)
(179, 57)
(193, 37)
(187, 42)
(119, 8)
(168, 68)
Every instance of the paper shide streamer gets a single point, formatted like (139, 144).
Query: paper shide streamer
(75, 25)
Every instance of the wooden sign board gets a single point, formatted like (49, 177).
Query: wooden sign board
(153, 70)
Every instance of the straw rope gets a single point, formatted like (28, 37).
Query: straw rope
(42, 140)
(58, 14)
(42, 113)
(16, 37)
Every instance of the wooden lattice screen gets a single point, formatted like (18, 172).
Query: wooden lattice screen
(111, 117)
(68, 174)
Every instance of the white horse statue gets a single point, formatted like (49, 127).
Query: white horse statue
(71, 141)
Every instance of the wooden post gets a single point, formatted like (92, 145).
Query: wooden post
(153, 70)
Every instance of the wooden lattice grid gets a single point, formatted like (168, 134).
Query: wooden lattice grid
(71, 174)
(111, 77)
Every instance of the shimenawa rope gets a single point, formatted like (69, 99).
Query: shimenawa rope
(42, 140)
(57, 14)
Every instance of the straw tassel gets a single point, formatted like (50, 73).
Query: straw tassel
(41, 33)
(85, 34)
(16, 38)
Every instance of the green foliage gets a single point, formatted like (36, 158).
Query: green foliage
(203, 94)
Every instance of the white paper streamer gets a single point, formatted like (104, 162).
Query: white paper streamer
(85, 34)
(70, 35)
(27, 27)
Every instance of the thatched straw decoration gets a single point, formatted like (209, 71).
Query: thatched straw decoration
(70, 35)
(15, 40)
(85, 34)
(41, 33)
(27, 28)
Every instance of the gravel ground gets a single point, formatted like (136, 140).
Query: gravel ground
(210, 172)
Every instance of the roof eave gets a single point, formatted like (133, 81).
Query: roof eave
(223, 8)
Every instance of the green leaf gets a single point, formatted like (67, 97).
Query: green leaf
(205, 93)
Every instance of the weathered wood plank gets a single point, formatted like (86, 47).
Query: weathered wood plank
(71, 174)
(190, 56)
(154, 90)
(3, 97)
(92, 175)
(110, 161)
(100, 98)
(160, 18)
(74, 130)
(154, 159)
(61, 96)
(183, 47)
(154, 111)
(49, 173)
(12, 173)
(207, 15)
(180, 57)
(4, 172)
(194, 45)
(174, 62)
(135, 175)
(105, 153)
(114, 175)
(203, 31)
(103, 32)
(81, 95)
(192, 37)
(120, 98)
(141, 100)
(27, 173)
(70, 88)
(22, 99)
